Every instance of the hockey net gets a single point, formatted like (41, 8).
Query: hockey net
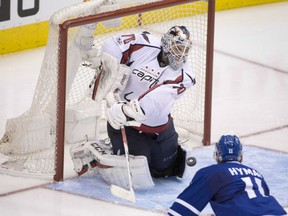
(33, 143)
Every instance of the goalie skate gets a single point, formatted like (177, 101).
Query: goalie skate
(83, 159)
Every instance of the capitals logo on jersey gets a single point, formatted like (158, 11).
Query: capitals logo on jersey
(146, 74)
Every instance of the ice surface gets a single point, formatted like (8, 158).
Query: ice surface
(250, 88)
(271, 164)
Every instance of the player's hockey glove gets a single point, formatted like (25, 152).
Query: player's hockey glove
(128, 114)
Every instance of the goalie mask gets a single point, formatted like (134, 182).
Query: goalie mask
(228, 148)
(176, 45)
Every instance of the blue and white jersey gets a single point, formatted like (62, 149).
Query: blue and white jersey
(231, 188)
(157, 88)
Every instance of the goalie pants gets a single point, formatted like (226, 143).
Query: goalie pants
(159, 149)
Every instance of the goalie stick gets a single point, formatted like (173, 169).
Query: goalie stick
(119, 191)
(116, 190)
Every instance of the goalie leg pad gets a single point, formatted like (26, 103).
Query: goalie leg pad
(177, 169)
(180, 164)
(115, 168)
(117, 175)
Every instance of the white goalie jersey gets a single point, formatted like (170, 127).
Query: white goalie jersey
(157, 88)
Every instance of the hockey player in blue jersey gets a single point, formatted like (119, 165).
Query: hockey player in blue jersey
(230, 187)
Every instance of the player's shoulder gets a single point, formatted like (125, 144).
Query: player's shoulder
(147, 38)
(207, 174)
(235, 166)
(219, 169)
(141, 38)
(209, 170)
(188, 75)
(187, 69)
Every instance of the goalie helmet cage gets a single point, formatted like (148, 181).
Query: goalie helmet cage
(33, 144)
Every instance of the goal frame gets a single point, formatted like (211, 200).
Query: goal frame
(62, 65)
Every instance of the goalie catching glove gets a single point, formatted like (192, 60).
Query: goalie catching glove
(113, 79)
(128, 114)
(96, 157)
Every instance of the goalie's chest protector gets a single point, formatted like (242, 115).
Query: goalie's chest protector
(140, 52)
(145, 72)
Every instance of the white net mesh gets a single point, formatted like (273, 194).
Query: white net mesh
(29, 141)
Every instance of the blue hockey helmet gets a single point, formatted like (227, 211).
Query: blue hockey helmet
(228, 148)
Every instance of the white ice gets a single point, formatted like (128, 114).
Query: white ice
(249, 99)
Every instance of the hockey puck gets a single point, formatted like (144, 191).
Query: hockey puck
(191, 161)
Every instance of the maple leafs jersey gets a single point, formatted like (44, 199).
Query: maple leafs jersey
(156, 87)
(231, 188)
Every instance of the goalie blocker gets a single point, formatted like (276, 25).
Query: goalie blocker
(96, 157)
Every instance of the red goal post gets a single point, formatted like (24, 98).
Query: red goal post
(38, 149)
